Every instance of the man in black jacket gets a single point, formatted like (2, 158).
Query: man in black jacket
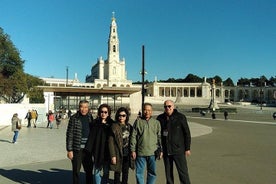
(176, 141)
(76, 136)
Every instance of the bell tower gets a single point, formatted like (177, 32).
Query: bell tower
(113, 57)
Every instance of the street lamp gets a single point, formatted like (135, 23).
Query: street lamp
(66, 76)
(261, 98)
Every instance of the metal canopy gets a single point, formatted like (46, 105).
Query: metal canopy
(84, 91)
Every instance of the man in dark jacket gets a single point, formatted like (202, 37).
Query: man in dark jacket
(76, 136)
(28, 117)
(176, 141)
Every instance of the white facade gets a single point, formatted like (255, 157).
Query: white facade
(110, 72)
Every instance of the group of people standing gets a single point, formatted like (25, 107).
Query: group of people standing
(31, 116)
(51, 117)
(102, 144)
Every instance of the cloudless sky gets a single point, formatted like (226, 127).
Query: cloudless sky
(228, 38)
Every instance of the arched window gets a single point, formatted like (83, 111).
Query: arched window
(114, 48)
(114, 70)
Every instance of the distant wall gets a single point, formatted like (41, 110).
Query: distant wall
(7, 111)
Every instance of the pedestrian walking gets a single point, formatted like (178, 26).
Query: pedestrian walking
(16, 126)
(51, 119)
(274, 115)
(225, 115)
(28, 117)
(213, 115)
(58, 119)
(145, 140)
(176, 142)
(34, 117)
(77, 133)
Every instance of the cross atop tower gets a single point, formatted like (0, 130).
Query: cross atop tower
(113, 15)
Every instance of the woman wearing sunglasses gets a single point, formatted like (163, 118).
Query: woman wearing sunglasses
(119, 146)
(97, 144)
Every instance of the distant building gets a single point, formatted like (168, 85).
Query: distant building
(110, 72)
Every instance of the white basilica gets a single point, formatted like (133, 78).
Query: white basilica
(110, 72)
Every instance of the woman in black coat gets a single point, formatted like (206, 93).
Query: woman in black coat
(97, 144)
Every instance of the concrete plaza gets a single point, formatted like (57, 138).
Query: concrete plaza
(239, 150)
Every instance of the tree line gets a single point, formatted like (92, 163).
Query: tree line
(191, 78)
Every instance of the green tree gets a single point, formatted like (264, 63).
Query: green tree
(14, 83)
(272, 81)
(192, 78)
(12, 78)
(217, 78)
(34, 93)
(228, 82)
(243, 82)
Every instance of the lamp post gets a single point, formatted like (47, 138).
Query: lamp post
(261, 98)
(66, 76)
(143, 76)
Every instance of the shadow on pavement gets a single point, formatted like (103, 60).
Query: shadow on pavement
(3, 140)
(52, 176)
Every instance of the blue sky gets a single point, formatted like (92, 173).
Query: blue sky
(228, 38)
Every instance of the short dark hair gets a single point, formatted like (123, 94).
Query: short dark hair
(82, 102)
(146, 104)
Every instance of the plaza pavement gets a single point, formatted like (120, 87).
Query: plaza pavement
(40, 155)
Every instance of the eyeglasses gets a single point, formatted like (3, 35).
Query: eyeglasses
(122, 115)
(105, 112)
(167, 106)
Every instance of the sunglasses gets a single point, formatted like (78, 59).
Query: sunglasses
(167, 106)
(105, 112)
(122, 115)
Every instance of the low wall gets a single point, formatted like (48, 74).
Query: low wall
(7, 111)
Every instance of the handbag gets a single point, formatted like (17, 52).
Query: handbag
(18, 126)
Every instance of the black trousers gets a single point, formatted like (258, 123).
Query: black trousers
(29, 123)
(181, 166)
(125, 168)
(83, 158)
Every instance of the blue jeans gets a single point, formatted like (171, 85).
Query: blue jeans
(15, 136)
(141, 163)
(98, 179)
